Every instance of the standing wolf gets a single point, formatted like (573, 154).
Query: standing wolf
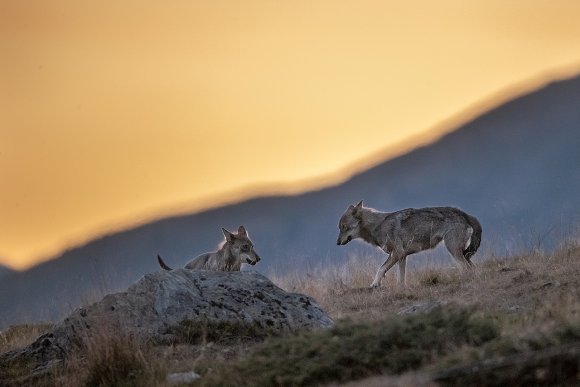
(409, 231)
(237, 249)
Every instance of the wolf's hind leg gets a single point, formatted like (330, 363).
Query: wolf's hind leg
(402, 270)
(455, 242)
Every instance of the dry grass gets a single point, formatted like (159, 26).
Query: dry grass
(540, 288)
(18, 336)
(109, 361)
(532, 300)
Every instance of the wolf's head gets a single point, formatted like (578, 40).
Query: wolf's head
(349, 224)
(241, 246)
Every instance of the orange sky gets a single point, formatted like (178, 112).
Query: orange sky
(115, 112)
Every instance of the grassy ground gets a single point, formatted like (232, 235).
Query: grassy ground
(512, 321)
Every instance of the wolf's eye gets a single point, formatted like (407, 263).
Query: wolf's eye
(245, 248)
(343, 227)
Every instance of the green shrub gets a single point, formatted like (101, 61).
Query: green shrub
(353, 350)
(548, 358)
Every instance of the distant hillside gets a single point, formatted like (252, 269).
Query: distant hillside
(517, 168)
(5, 271)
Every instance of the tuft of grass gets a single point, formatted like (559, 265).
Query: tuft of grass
(110, 360)
(117, 363)
(17, 336)
(431, 278)
(352, 350)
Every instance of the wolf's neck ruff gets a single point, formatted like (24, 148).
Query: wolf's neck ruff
(370, 223)
(227, 259)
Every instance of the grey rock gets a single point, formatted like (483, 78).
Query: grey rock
(153, 308)
(423, 307)
(514, 308)
(182, 377)
(549, 285)
(38, 358)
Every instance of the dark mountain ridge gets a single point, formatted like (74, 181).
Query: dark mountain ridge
(516, 168)
(4, 270)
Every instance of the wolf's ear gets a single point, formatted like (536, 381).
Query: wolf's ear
(242, 231)
(229, 236)
(356, 209)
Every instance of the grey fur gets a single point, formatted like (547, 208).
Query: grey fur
(409, 231)
(237, 249)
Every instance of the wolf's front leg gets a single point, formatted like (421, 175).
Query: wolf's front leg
(383, 270)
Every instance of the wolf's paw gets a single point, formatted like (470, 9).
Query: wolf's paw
(374, 286)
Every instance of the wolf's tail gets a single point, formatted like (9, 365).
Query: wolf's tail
(162, 263)
(475, 237)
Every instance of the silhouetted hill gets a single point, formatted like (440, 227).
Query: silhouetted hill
(5, 271)
(516, 168)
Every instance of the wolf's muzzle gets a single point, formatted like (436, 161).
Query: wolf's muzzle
(256, 260)
(342, 243)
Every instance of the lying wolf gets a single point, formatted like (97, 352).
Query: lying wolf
(409, 231)
(237, 249)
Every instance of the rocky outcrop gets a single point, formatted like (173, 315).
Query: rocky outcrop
(155, 307)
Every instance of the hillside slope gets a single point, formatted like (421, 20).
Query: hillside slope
(516, 168)
(513, 321)
(5, 271)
